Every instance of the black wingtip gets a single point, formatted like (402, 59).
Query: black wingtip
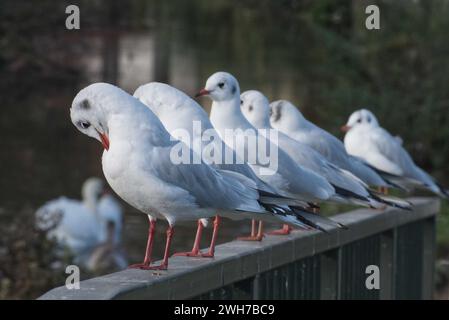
(444, 192)
(408, 206)
(343, 226)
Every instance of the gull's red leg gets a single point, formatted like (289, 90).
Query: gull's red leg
(254, 237)
(211, 252)
(164, 264)
(147, 260)
(383, 190)
(260, 234)
(286, 229)
(253, 228)
(253, 231)
(196, 245)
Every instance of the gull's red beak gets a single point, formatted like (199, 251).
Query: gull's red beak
(345, 128)
(203, 92)
(104, 140)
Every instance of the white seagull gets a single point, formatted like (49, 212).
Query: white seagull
(289, 179)
(349, 189)
(366, 139)
(138, 165)
(177, 111)
(286, 118)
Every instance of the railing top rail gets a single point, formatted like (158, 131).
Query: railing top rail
(238, 260)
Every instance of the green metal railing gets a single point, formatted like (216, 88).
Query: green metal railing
(304, 265)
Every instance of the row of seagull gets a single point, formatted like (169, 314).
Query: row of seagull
(90, 229)
(138, 133)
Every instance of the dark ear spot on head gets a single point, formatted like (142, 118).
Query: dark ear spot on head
(250, 108)
(234, 89)
(277, 112)
(85, 104)
(368, 119)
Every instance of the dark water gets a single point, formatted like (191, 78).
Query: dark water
(319, 56)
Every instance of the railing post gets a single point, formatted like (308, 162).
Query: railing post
(329, 275)
(428, 261)
(339, 272)
(395, 263)
(386, 265)
(257, 287)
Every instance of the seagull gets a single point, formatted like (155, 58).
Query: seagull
(83, 226)
(138, 164)
(286, 118)
(289, 179)
(366, 139)
(177, 111)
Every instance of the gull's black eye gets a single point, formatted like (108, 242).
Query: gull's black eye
(221, 85)
(84, 124)
(241, 102)
(359, 120)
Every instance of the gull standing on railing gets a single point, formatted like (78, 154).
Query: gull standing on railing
(289, 179)
(286, 118)
(366, 139)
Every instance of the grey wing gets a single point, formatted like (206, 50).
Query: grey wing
(334, 150)
(329, 146)
(394, 154)
(209, 187)
(312, 159)
(242, 168)
(389, 155)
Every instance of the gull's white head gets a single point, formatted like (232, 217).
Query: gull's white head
(286, 117)
(221, 86)
(362, 117)
(93, 188)
(93, 106)
(256, 108)
(88, 111)
(175, 109)
(167, 102)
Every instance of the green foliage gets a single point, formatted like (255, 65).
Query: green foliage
(28, 263)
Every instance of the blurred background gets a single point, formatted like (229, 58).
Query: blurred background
(316, 53)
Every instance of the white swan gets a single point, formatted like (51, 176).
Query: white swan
(83, 226)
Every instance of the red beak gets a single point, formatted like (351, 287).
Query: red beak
(104, 140)
(203, 92)
(345, 128)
